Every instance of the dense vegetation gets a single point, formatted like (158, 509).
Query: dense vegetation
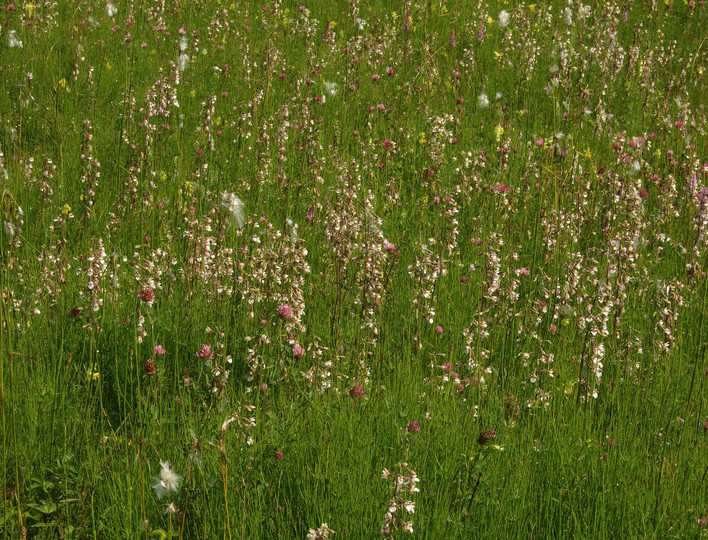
(354, 269)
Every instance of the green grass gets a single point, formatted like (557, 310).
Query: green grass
(525, 280)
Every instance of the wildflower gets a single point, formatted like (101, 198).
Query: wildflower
(285, 311)
(168, 481)
(111, 9)
(298, 351)
(356, 392)
(159, 350)
(362, 23)
(205, 352)
(279, 455)
(503, 18)
(234, 205)
(486, 436)
(483, 101)
(147, 295)
(413, 427)
(498, 132)
(319, 534)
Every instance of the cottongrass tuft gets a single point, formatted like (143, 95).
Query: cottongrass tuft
(168, 481)
(234, 205)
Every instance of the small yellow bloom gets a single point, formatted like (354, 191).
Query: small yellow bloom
(532, 7)
(218, 121)
(394, 15)
(96, 375)
(192, 94)
(490, 20)
(163, 176)
(109, 66)
(498, 132)
(62, 83)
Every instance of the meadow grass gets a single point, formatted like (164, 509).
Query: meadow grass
(353, 269)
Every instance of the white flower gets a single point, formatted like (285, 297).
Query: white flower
(183, 43)
(503, 18)
(408, 526)
(483, 100)
(568, 16)
(12, 40)
(168, 481)
(234, 205)
(111, 9)
(320, 534)
(362, 23)
(409, 506)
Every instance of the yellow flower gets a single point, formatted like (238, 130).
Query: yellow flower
(394, 15)
(96, 375)
(498, 132)
(532, 7)
(66, 209)
(109, 66)
(29, 8)
(490, 20)
(62, 83)
(218, 121)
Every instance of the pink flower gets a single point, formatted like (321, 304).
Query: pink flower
(376, 76)
(356, 392)
(159, 350)
(390, 247)
(413, 427)
(438, 329)
(298, 351)
(539, 142)
(279, 455)
(205, 352)
(285, 311)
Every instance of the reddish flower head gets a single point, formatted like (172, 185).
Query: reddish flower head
(285, 311)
